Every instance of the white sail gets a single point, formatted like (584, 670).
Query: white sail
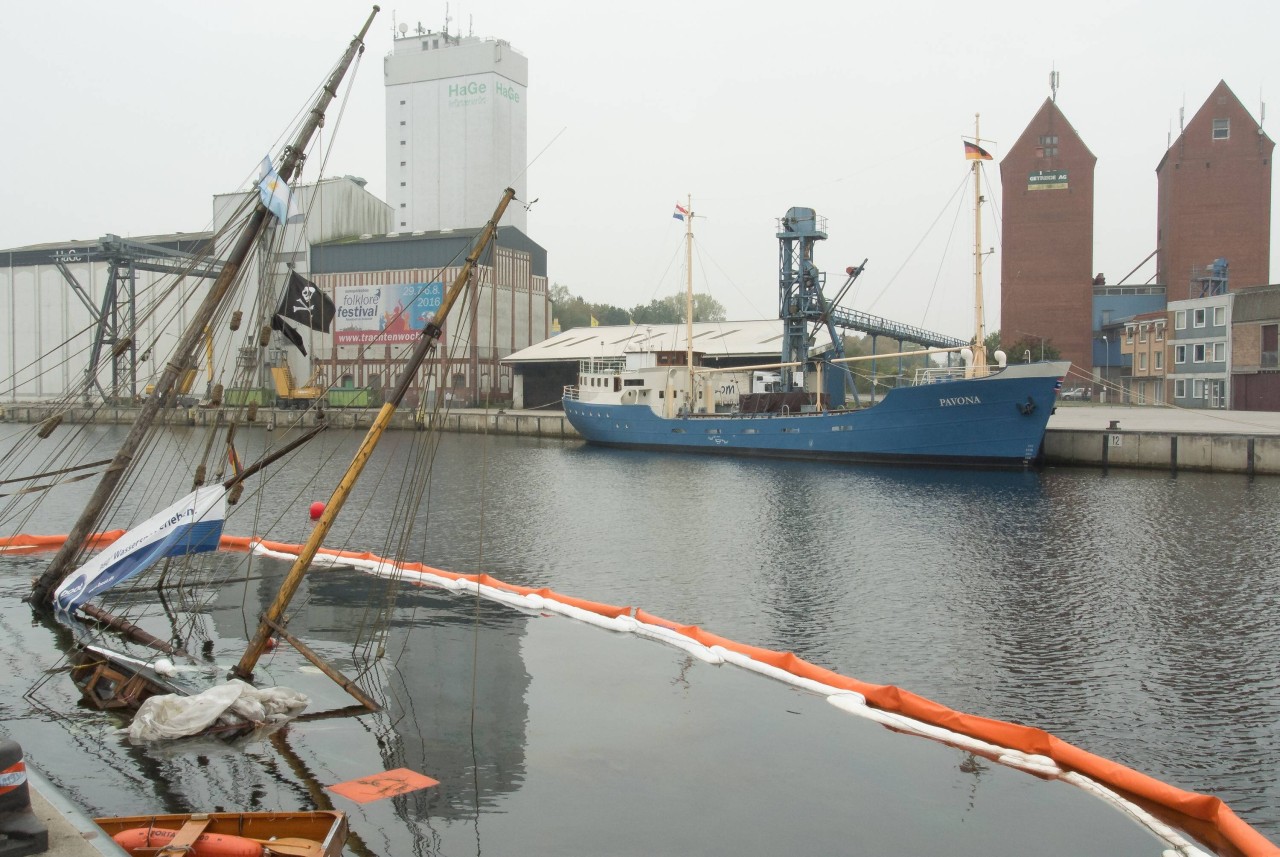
(191, 525)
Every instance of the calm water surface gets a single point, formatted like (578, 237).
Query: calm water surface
(1133, 614)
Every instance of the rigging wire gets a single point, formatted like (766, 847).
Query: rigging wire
(945, 207)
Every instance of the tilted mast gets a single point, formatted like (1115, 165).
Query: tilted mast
(271, 620)
(182, 358)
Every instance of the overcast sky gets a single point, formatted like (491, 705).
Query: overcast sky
(127, 117)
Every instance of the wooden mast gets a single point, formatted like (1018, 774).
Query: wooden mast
(688, 298)
(272, 619)
(182, 358)
(979, 366)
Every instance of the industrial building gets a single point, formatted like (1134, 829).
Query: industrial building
(542, 371)
(457, 133)
(1215, 199)
(1212, 237)
(455, 139)
(1046, 263)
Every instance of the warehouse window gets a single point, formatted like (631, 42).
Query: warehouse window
(1048, 145)
(1221, 129)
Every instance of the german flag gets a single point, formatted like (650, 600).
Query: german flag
(974, 152)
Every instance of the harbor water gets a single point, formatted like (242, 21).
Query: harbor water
(1132, 613)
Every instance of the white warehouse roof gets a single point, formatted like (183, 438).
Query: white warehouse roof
(758, 338)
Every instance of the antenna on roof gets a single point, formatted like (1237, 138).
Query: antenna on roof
(1181, 115)
(471, 26)
(1053, 85)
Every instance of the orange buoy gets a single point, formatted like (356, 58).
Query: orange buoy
(317, 509)
(145, 840)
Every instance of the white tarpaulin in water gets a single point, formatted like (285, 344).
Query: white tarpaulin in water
(234, 703)
(191, 525)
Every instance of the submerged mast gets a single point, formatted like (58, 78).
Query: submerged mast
(271, 620)
(979, 366)
(182, 358)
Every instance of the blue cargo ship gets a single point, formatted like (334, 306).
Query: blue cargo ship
(966, 411)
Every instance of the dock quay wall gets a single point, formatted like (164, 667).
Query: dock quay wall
(1156, 450)
(524, 423)
(1150, 439)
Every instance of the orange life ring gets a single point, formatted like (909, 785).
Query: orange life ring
(206, 845)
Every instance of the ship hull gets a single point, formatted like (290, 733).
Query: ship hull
(997, 421)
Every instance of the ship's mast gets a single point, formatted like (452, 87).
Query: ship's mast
(273, 619)
(182, 358)
(688, 297)
(979, 366)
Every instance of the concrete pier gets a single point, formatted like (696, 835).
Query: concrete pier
(1170, 439)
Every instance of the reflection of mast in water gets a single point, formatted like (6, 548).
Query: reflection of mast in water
(971, 764)
(319, 797)
(454, 701)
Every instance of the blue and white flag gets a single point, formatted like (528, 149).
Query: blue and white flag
(274, 193)
(191, 525)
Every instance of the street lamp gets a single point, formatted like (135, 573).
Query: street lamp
(1106, 364)
(1035, 336)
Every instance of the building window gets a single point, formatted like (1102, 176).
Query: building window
(403, 223)
(1048, 145)
(1197, 389)
(1198, 319)
(1142, 361)
(1180, 320)
(1179, 389)
(1160, 333)
(1159, 360)
(1179, 354)
(404, 205)
(1221, 129)
(402, 104)
(402, 142)
(1270, 345)
(1219, 352)
(1142, 334)
(1197, 353)
(1219, 316)
(402, 122)
(402, 184)
(1128, 336)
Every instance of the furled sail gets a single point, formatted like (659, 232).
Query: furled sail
(191, 525)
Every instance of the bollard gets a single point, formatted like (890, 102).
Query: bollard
(21, 832)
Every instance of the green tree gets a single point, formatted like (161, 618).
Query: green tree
(1032, 347)
(569, 309)
(610, 314)
(671, 310)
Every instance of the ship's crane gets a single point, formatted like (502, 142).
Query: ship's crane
(805, 310)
